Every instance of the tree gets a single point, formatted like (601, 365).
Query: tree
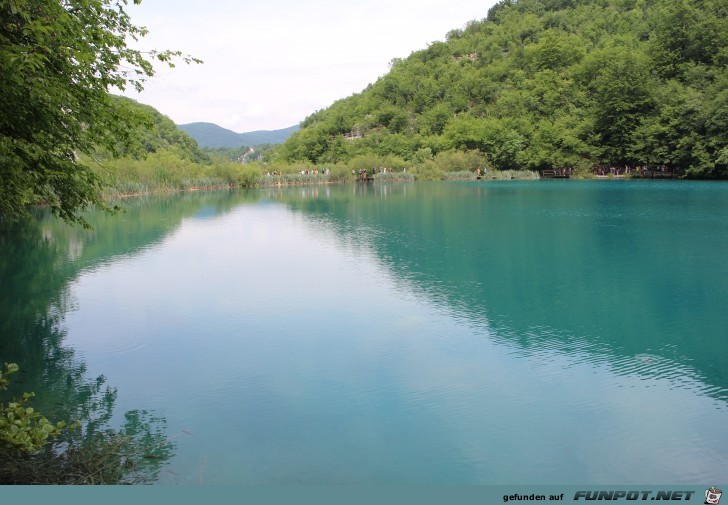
(59, 60)
(621, 90)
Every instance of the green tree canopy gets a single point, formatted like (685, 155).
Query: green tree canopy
(59, 59)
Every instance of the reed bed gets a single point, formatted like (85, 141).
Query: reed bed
(130, 188)
(462, 175)
(502, 175)
(394, 177)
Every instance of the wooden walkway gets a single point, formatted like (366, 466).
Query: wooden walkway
(555, 174)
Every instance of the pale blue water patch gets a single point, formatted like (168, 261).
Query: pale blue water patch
(489, 333)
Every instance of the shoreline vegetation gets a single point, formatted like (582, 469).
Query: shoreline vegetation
(126, 178)
(169, 170)
(130, 189)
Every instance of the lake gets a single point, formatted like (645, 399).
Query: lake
(504, 332)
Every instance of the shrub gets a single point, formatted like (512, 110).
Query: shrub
(22, 429)
(35, 451)
(427, 171)
(463, 175)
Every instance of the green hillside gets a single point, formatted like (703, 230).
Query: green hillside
(158, 156)
(157, 133)
(545, 84)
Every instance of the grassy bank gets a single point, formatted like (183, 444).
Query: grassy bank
(166, 171)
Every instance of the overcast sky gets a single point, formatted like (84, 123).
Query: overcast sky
(270, 63)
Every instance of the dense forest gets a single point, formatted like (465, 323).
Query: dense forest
(548, 84)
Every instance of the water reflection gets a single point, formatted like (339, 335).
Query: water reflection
(560, 269)
(39, 260)
(445, 333)
(583, 287)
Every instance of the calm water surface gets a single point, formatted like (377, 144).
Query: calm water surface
(540, 332)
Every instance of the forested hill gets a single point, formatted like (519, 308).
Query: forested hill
(158, 133)
(544, 84)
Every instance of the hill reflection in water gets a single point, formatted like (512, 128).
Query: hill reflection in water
(525, 332)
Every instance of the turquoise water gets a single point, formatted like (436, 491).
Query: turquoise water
(545, 332)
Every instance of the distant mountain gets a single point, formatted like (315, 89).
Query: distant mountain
(212, 135)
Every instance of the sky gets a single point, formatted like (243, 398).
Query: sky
(270, 63)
